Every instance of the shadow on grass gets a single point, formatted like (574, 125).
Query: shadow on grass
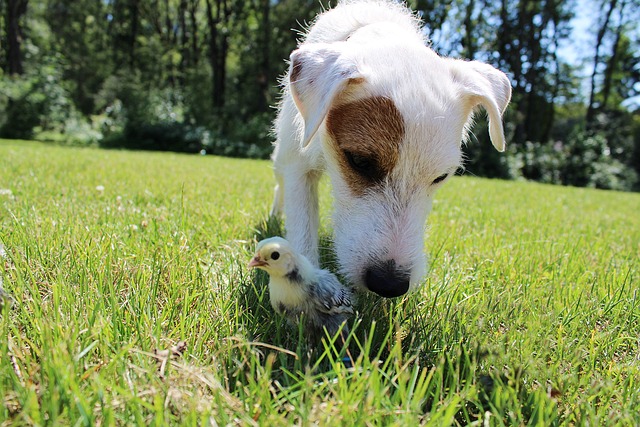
(379, 325)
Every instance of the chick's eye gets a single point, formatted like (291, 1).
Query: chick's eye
(440, 178)
(275, 255)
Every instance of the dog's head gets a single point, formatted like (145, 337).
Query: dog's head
(391, 122)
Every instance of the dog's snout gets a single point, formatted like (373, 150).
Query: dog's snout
(387, 279)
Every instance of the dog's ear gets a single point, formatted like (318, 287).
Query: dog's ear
(488, 87)
(318, 73)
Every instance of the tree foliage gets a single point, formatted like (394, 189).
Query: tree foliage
(192, 75)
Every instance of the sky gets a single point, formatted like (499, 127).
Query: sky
(583, 36)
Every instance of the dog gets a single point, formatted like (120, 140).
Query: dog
(366, 100)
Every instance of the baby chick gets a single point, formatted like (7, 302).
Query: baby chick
(297, 287)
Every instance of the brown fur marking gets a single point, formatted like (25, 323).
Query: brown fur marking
(370, 128)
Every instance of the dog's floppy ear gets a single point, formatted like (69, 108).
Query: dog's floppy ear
(488, 87)
(318, 73)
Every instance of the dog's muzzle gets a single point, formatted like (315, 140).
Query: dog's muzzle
(387, 279)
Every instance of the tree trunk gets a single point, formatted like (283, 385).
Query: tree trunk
(468, 42)
(184, 37)
(612, 62)
(221, 74)
(224, 13)
(502, 32)
(534, 76)
(548, 124)
(133, 35)
(218, 47)
(263, 76)
(168, 24)
(3, 65)
(591, 109)
(193, 10)
(15, 11)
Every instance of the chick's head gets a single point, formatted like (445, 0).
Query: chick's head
(275, 256)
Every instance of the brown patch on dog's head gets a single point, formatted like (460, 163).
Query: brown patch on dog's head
(367, 135)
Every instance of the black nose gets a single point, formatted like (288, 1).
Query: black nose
(387, 279)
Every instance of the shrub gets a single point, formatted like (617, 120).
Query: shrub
(160, 136)
(34, 102)
(589, 163)
(583, 160)
(23, 107)
(541, 162)
(251, 138)
(139, 117)
(482, 159)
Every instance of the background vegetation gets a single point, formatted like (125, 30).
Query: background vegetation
(530, 315)
(188, 75)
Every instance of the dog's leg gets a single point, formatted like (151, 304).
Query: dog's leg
(278, 198)
(302, 213)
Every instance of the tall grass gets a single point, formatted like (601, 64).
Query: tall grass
(529, 315)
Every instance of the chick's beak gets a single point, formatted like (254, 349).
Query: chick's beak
(256, 261)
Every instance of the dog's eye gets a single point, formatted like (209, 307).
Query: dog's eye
(275, 255)
(365, 166)
(440, 178)
(358, 162)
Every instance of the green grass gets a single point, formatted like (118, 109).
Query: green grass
(530, 313)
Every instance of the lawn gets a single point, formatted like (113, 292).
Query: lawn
(530, 313)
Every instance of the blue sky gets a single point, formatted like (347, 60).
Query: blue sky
(583, 36)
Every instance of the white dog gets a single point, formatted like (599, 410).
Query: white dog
(366, 100)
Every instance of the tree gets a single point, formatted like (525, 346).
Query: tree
(469, 40)
(79, 37)
(527, 43)
(15, 11)
(217, 18)
(435, 13)
(620, 71)
(609, 6)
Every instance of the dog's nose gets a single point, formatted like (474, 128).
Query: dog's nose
(387, 279)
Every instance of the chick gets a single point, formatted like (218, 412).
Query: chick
(297, 287)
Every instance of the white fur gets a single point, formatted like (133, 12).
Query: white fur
(379, 47)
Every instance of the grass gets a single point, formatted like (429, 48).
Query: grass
(529, 316)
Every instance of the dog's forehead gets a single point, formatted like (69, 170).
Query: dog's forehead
(415, 138)
(432, 142)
